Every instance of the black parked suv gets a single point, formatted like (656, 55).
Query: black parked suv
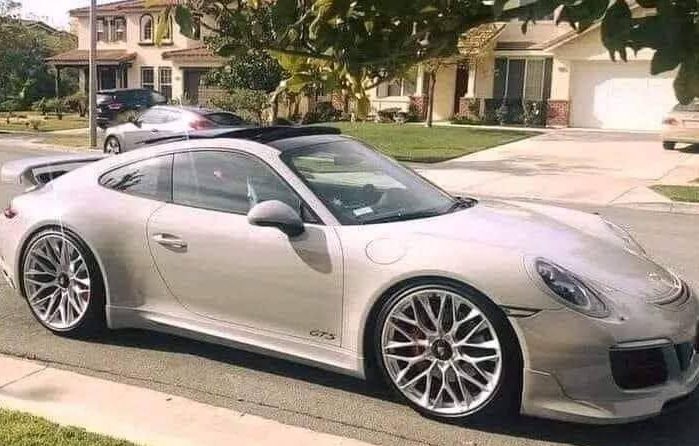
(112, 102)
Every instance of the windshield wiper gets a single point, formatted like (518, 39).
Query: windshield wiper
(462, 203)
(402, 217)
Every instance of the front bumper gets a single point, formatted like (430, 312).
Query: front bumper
(568, 363)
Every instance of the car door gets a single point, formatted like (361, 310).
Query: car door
(147, 128)
(221, 267)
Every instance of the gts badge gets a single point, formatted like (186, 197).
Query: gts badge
(324, 335)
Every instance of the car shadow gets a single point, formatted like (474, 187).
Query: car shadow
(676, 427)
(691, 148)
(141, 339)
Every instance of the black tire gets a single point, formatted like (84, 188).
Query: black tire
(669, 145)
(506, 399)
(116, 145)
(93, 322)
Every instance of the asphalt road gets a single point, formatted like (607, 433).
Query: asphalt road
(323, 401)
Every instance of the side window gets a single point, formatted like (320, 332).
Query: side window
(154, 116)
(227, 182)
(151, 178)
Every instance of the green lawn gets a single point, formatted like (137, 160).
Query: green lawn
(21, 122)
(414, 143)
(688, 194)
(19, 429)
(77, 140)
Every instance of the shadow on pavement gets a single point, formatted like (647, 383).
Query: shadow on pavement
(677, 427)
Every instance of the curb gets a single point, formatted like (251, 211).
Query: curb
(140, 415)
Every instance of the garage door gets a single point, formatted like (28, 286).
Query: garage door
(620, 95)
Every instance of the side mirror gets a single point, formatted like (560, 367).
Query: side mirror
(279, 215)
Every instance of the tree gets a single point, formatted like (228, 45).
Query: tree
(255, 70)
(365, 42)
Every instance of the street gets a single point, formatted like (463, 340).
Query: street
(327, 402)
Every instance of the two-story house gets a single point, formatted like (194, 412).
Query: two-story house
(128, 57)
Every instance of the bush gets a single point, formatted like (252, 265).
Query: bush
(10, 105)
(535, 113)
(282, 121)
(40, 106)
(388, 114)
(78, 103)
(56, 105)
(36, 123)
(248, 104)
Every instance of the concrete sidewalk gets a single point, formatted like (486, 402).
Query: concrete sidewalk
(600, 168)
(140, 415)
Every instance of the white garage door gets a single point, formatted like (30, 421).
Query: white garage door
(619, 95)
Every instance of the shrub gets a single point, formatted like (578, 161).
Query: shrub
(78, 103)
(534, 113)
(36, 123)
(387, 114)
(40, 106)
(282, 121)
(56, 105)
(10, 105)
(248, 104)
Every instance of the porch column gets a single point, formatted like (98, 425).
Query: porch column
(58, 81)
(419, 81)
(471, 89)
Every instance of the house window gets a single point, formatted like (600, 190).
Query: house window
(119, 29)
(147, 28)
(147, 78)
(100, 30)
(520, 78)
(398, 87)
(165, 82)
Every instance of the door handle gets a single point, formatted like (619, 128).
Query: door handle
(170, 241)
(154, 130)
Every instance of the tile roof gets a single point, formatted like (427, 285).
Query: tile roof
(199, 53)
(81, 57)
(119, 6)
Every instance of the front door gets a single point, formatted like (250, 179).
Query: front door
(461, 87)
(221, 267)
(192, 80)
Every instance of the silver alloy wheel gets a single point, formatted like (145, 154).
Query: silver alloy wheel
(112, 145)
(441, 352)
(57, 281)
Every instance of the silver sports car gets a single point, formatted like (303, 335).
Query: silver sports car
(309, 245)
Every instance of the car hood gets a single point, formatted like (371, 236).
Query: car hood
(581, 242)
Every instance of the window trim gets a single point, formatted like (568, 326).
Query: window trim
(526, 60)
(141, 26)
(313, 214)
(161, 70)
(112, 169)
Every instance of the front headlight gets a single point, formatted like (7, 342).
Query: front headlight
(570, 289)
(631, 244)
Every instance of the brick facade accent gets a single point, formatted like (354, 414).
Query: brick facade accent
(419, 103)
(337, 100)
(469, 108)
(558, 113)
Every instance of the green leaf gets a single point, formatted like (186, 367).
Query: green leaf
(161, 29)
(687, 81)
(183, 17)
(616, 28)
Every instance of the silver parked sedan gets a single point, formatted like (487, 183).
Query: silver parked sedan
(305, 244)
(164, 121)
(681, 125)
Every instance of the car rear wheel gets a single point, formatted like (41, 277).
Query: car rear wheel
(449, 352)
(62, 284)
(112, 145)
(669, 145)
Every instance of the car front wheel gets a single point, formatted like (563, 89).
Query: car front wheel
(62, 284)
(449, 352)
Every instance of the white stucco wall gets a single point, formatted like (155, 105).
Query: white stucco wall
(147, 55)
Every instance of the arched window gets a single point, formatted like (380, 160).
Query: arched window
(146, 28)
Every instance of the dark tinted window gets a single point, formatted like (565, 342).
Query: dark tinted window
(226, 182)
(149, 178)
(157, 98)
(224, 119)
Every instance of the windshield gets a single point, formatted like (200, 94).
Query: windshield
(361, 186)
(691, 107)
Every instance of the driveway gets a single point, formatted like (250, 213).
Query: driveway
(601, 168)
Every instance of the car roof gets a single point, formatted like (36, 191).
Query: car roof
(192, 109)
(118, 90)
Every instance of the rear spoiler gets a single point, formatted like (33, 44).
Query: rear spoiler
(42, 169)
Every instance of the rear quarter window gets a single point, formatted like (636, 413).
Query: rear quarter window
(225, 119)
(150, 178)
